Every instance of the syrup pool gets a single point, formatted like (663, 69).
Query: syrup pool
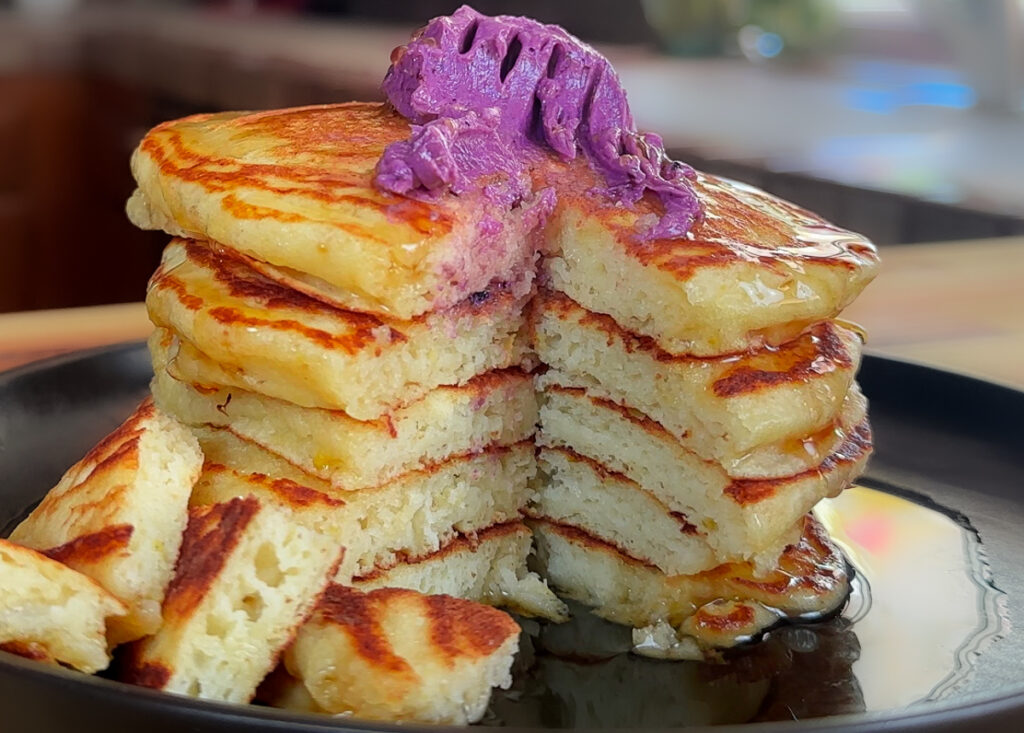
(922, 608)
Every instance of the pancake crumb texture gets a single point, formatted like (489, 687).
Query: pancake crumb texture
(51, 613)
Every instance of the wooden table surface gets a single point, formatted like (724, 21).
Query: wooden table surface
(955, 305)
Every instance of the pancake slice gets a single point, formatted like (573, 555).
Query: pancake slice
(293, 190)
(488, 567)
(755, 271)
(583, 493)
(685, 616)
(247, 577)
(118, 515)
(695, 501)
(239, 329)
(51, 613)
(721, 408)
(496, 408)
(411, 516)
(395, 654)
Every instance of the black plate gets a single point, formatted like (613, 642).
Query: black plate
(955, 440)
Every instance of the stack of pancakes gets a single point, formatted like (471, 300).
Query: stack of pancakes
(334, 352)
(380, 364)
(699, 400)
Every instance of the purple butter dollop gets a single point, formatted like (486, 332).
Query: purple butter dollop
(486, 94)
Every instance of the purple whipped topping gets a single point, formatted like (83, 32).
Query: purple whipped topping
(484, 92)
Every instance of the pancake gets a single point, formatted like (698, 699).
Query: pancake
(247, 577)
(51, 613)
(720, 408)
(118, 514)
(734, 517)
(395, 654)
(686, 615)
(754, 271)
(267, 338)
(496, 408)
(583, 493)
(293, 190)
(488, 566)
(411, 516)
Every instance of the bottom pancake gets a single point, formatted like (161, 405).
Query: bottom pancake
(686, 616)
(489, 567)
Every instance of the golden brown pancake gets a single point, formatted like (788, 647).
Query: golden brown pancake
(615, 470)
(247, 577)
(117, 515)
(411, 516)
(240, 329)
(721, 408)
(810, 577)
(497, 407)
(395, 654)
(754, 271)
(292, 189)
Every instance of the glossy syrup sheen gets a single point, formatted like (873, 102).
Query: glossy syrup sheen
(922, 607)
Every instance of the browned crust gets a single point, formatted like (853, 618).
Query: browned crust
(93, 547)
(461, 628)
(813, 565)
(818, 351)
(33, 650)
(458, 628)
(766, 230)
(134, 671)
(366, 130)
(211, 535)
(739, 618)
(290, 492)
(855, 446)
(362, 330)
(459, 543)
(357, 613)
(117, 451)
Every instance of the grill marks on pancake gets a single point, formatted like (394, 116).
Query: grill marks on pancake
(247, 298)
(93, 547)
(117, 452)
(211, 535)
(457, 629)
(354, 138)
(259, 300)
(461, 629)
(357, 613)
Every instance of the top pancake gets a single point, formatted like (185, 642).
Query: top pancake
(754, 271)
(293, 190)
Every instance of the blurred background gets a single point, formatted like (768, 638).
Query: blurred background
(902, 119)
